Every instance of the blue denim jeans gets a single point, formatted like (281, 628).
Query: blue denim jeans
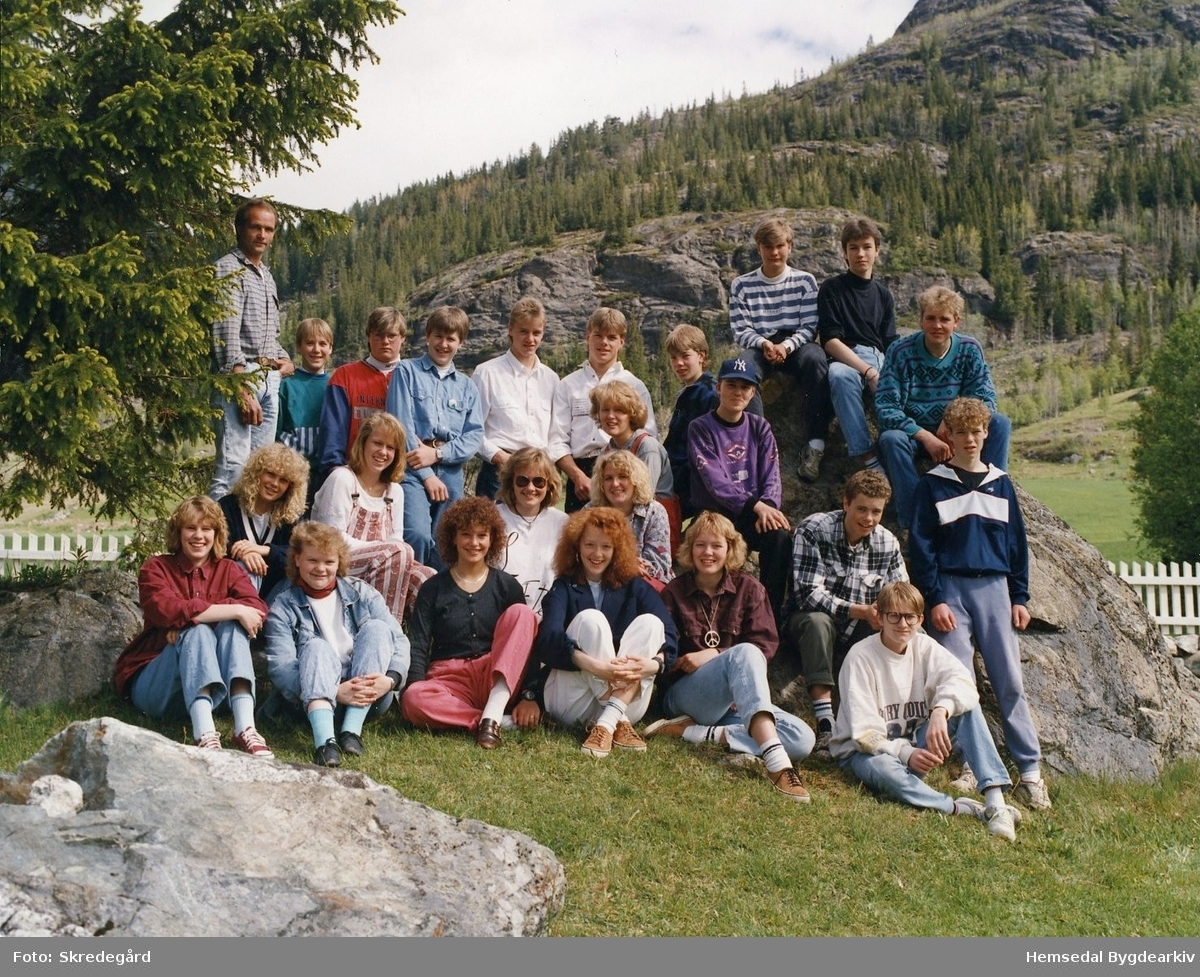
(846, 387)
(729, 691)
(421, 516)
(321, 669)
(898, 453)
(236, 439)
(203, 656)
(887, 775)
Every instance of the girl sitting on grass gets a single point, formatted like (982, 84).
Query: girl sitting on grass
(621, 481)
(260, 510)
(472, 632)
(332, 644)
(201, 610)
(605, 633)
(364, 500)
(726, 637)
(530, 487)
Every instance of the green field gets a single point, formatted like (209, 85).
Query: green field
(1101, 511)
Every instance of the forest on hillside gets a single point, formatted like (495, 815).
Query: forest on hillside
(962, 159)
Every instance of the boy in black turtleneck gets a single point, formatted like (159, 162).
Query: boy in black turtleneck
(856, 322)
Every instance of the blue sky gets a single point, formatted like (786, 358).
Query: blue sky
(463, 82)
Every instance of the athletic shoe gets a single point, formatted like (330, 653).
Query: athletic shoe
(787, 782)
(1034, 794)
(626, 737)
(598, 743)
(249, 740)
(821, 751)
(209, 741)
(1002, 821)
(965, 782)
(669, 727)
(745, 761)
(810, 463)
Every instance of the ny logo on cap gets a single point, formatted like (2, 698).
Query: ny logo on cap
(739, 364)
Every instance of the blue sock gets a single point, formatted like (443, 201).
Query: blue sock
(352, 721)
(321, 721)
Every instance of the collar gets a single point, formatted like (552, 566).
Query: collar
(379, 366)
(426, 363)
(690, 586)
(246, 262)
(517, 366)
(184, 565)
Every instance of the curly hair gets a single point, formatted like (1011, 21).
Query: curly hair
(868, 482)
(717, 525)
(618, 395)
(287, 463)
(472, 510)
(966, 414)
(540, 462)
(323, 539)
(622, 463)
(205, 512)
(938, 299)
(388, 427)
(624, 565)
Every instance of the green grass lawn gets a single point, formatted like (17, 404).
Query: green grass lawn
(674, 842)
(1102, 511)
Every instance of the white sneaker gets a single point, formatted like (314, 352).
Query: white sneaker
(966, 782)
(1034, 794)
(1002, 821)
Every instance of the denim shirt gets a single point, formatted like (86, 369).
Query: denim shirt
(291, 625)
(435, 408)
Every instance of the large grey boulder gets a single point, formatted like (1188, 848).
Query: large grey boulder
(60, 643)
(175, 841)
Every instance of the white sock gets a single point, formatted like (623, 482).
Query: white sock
(612, 713)
(242, 705)
(704, 734)
(993, 797)
(817, 444)
(201, 712)
(497, 700)
(774, 756)
(1034, 776)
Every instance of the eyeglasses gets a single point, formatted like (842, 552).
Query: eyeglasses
(895, 617)
(522, 481)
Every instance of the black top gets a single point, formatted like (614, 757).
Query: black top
(858, 311)
(278, 543)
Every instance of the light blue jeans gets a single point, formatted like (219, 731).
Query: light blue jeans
(421, 516)
(983, 610)
(732, 686)
(321, 670)
(203, 656)
(887, 775)
(236, 439)
(846, 387)
(898, 453)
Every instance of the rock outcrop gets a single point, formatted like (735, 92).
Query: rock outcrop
(115, 830)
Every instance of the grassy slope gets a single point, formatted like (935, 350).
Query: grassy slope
(1078, 464)
(673, 842)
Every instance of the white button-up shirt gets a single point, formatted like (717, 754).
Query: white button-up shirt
(572, 430)
(515, 402)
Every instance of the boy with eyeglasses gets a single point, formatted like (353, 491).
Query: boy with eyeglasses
(906, 704)
(970, 559)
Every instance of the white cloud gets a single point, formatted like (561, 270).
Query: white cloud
(472, 81)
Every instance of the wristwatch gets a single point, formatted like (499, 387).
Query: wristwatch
(438, 453)
(529, 695)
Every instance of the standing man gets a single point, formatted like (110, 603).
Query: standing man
(247, 341)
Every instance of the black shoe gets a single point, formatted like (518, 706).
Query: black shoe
(328, 755)
(350, 743)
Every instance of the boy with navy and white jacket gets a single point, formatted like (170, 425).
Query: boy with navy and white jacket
(969, 556)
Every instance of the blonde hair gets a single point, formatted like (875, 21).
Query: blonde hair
(323, 539)
(538, 460)
(607, 320)
(527, 309)
(622, 463)
(449, 320)
(966, 414)
(717, 525)
(772, 231)
(389, 427)
(900, 596)
(205, 512)
(286, 463)
(313, 329)
(939, 298)
(621, 396)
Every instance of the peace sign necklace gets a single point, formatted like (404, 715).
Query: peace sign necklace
(712, 639)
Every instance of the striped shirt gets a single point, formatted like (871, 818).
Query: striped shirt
(761, 308)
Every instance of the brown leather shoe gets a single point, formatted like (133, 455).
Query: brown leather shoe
(787, 782)
(488, 734)
(598, 743)
(626, 737)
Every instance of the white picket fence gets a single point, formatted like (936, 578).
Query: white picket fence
(1169, 591)
(17, 549)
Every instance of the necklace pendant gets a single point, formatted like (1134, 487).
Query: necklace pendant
(712, 639)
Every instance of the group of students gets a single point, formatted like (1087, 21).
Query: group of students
(517, 609)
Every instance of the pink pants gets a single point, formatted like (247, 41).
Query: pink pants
(454, 691)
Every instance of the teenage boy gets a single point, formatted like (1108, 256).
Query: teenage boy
(921, 374)
(840, 562)
(970, 559)
(302, 394)
(856, 322)
(438, 408)
(906, 704)
(773, 313)
(735, 463)
(687, 349)
(516, 391)
(358, 390)
(575, 439)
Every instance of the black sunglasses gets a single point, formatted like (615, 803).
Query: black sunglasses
(521, 481)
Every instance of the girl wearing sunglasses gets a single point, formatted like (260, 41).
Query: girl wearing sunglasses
(530, 488)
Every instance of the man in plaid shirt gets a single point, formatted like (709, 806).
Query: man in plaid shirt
(840, 562)
(247, 341)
